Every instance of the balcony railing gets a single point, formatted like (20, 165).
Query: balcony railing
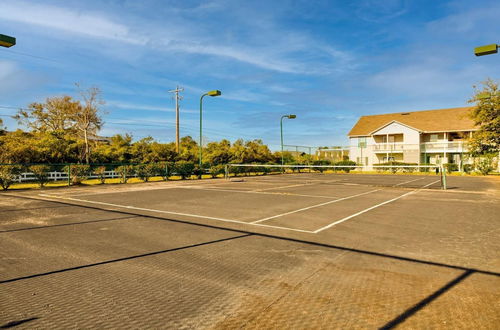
(393, 147)
(399, 147)
(452, 146)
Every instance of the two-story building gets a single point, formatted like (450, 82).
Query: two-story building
(419, 137)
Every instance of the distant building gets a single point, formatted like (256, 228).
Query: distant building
(420, 137)
(100, 139)
(334, 154)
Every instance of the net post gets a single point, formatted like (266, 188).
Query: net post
(226, 172)
(69, 174)
(443, 177)
(166, 171)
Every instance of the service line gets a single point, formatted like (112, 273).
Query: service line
(260, 192)
(371, 208)
(314, 206)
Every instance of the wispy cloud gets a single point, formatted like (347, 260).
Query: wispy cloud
(284, 55)
(70, 21)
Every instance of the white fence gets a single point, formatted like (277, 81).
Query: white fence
(63, 176)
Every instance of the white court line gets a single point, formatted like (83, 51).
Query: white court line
(175, 213)
(408, 182)
(283, 187)
(260, 193)
(371, 208)
(314, 206)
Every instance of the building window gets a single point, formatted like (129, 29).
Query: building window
(388, 159)
(362, 142)
(433, 138)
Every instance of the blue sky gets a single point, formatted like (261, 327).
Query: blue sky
(328, 62)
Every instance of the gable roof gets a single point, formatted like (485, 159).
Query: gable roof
(392, 122)
(442, 120)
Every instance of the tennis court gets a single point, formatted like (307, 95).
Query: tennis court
(301, 250)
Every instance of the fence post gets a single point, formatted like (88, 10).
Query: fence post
(69, 174)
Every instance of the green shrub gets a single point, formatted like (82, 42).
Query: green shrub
(468, 168)
(78, 172)
(146, 171)
(321, 162)
(236, 170)
(124, 171)
(485, 165)
(199, 171)
(8, 175)
(216, 170)
(101, 173)
(451, 167)
(184, 168)
(347, 163)
(41, 173)
(398, 167)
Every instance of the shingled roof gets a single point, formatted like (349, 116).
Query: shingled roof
(442, 120)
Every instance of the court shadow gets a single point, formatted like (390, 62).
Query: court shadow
(426, 301)
(12, 324)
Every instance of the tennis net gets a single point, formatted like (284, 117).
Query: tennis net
(397, 176)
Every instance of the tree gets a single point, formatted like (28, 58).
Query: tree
(56, 114)
(189, 149)
(64, 114)
(486, 115)
(218, 152)
(86, 117)
(118, 150)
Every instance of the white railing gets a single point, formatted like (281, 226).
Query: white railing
(395, 147)
(63, 176)
(451, 146)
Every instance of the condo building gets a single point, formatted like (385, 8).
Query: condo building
(417, 137)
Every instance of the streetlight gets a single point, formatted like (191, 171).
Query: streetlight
(211, 93)
(486, 50)
(6, 41)
(281, 130)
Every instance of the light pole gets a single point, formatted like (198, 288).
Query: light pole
(211, 93)
(281, 130)
(487, 50)
(7, 41)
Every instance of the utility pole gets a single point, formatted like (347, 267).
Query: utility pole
(177, 99)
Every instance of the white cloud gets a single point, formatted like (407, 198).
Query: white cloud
(83, 23)
(290, 52)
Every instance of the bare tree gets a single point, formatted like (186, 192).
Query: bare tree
(87, 117)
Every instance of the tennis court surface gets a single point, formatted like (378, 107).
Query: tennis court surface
(304, 250)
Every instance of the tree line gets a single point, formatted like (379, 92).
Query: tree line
(66, 130)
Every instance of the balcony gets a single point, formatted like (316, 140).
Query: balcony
(452, 146)
(392, 147)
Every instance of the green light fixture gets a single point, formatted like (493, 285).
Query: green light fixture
(7, 41)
